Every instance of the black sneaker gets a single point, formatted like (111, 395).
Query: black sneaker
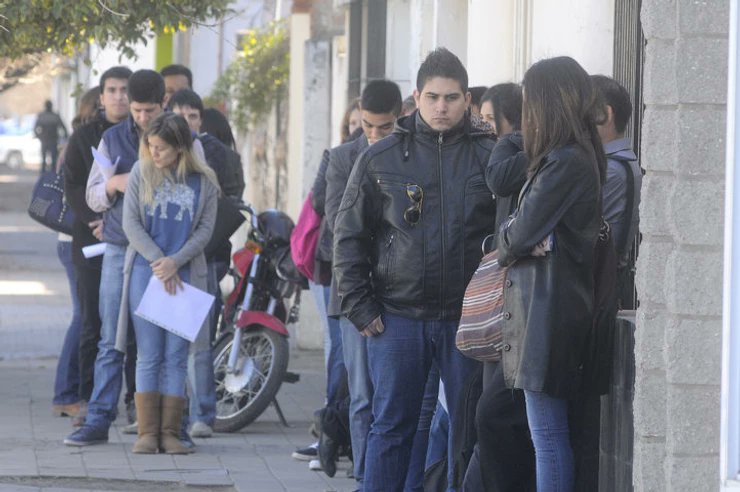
(86, 436)
(307, 454)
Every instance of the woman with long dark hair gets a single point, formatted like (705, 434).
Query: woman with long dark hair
(548, 245)
(169, 215)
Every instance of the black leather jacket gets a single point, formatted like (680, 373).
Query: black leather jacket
(506, 173)
(384, 263)
(548, 301)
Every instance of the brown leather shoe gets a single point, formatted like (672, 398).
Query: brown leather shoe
(71, 410)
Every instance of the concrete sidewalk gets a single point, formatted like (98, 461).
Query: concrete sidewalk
(33, 457)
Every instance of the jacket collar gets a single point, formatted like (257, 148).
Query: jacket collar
(621, 147)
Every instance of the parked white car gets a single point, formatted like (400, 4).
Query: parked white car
(18, 145)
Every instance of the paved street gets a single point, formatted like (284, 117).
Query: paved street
(34, 313)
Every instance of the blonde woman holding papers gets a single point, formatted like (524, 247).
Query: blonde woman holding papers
(169, 215)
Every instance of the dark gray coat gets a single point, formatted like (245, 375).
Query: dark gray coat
(548, 301)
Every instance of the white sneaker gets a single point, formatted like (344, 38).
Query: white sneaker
(314, 465)
(200, 429)
(131, 428)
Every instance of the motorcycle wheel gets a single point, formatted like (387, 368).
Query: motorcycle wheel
(263, 362)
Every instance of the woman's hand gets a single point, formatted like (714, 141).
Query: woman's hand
(164, 268)
(173, 284)
(542, 247)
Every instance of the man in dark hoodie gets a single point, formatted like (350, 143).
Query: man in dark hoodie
(407, 239)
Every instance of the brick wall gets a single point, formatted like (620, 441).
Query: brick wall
(679, 280)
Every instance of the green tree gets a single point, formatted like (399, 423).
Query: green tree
(258, 78)
(64, 26)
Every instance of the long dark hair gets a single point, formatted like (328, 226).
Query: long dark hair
(560, 107)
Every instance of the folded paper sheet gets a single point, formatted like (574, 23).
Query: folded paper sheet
(182, 314)
(107, 167)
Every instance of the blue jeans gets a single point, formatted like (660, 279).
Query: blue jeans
(67, 380)
(417, 465)
(102, 409)
(548, 424)
(399, 360)
(354, 348)
(202, 388)
(437, 449)
(162, 357)
(335, 370)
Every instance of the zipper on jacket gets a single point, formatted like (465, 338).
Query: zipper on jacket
(442, 223)
(388, 260)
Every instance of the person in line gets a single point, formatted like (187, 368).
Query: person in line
(47, 129)
(105, 195)
(380, 105)
(87, 228)
(503, 458)
(175, 77)
(336, 373)
(621, 192)
(548, 246)
(66, 400)
(214, 123)
(202, 401)
(407, 239)
(169, 215)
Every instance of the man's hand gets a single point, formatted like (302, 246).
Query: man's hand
(116, 183)
(164, 268)
(173, 284)
(97, 228)
(374, 328)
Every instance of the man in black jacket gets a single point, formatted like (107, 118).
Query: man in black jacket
(88, 226)
(407, 239)
(48, 125)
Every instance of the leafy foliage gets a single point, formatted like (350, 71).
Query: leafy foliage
(258, 78)
(64, 26)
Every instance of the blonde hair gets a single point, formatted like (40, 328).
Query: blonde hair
(174, 130)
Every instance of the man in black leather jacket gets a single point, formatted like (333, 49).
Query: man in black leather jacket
(407, 239)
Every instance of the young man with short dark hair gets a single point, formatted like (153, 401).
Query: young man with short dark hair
(407, 239)
(379, 108)
(88, 225)
(175, 77)
(622, 165)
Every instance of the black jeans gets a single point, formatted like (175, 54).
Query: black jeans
(503, 459)
(88, 290)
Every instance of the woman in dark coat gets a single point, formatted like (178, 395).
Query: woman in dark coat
(548, 245)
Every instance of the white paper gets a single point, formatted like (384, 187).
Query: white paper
(93, 250)
(107, 167)
(182, 314)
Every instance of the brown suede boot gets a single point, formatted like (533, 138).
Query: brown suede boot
(148, 417)
(169, 439)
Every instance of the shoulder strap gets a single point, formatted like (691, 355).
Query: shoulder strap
(622, 242)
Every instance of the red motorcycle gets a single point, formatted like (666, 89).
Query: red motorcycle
(251, 350)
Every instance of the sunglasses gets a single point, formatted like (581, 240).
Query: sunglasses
(412, 215)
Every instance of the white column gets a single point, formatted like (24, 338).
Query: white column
(490, 42)
(300, 31)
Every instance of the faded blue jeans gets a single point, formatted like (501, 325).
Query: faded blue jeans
(162, 358)
(354, 348)
(399, 360)
(67, 380)
(202, 388)
(548, 424)
(102, 409)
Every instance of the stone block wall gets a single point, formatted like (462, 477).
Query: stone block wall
(679, 277)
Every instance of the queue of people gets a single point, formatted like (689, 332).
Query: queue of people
(409, 208)
(414, 196)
